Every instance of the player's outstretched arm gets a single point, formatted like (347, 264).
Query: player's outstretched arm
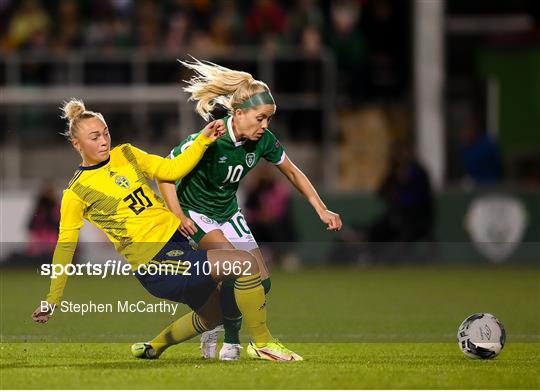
(168, 192)
(71, 221)
(306, 188)
(175, 169)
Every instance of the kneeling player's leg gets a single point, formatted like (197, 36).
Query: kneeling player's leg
(198, 291)
(185, 328)
(203, 318)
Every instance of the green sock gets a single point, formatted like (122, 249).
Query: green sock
(232, 318)
(267, 283)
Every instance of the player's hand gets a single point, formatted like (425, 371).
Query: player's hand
(215, 129)
(187, 226)
(41, 315)
(331, 219)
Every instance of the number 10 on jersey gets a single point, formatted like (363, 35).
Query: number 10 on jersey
(234, 174)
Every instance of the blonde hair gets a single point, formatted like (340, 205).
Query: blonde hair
(74, 111)
(213, 84)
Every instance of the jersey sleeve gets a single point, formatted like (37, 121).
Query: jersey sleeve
(71, 221)
(273, 150)
(159, 168)
(183, 145)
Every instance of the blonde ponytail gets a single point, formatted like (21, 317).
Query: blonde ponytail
(74, 111)
(213, 84)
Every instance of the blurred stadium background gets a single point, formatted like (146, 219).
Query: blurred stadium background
(416, 120)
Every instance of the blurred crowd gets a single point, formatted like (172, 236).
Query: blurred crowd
(370, 41)
(368, 37)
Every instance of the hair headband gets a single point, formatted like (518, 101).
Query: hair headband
(262, 98)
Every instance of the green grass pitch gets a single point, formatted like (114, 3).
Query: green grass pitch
(356, 328)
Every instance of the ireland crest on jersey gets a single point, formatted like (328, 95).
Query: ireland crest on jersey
(250, 159)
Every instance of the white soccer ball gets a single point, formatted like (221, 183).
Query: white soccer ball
(482, 336)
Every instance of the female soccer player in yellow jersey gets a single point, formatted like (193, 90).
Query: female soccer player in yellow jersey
(205, 200)
(110, 189)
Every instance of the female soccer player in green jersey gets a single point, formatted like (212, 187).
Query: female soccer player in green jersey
(205, 200)
(110, 189)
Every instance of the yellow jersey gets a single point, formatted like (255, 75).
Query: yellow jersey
(115, 196)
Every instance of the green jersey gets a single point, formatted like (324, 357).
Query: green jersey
(210, 188)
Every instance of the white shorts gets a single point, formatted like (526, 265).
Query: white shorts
(236, 229)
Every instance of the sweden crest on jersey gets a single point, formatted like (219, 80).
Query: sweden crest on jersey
(121, 181)
(250, 159)
(175, 253)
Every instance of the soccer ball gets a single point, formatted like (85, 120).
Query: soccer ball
(481, 336)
